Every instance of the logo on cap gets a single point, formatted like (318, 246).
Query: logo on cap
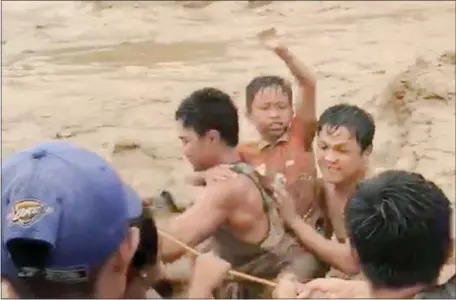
(27, 212)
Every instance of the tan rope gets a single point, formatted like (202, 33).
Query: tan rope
(231, 272)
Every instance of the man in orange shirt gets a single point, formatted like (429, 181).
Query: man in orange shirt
(285, 147)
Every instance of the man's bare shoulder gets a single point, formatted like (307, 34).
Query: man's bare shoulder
(237, 185)
(234, 190)
(249, 148)
(224, 193)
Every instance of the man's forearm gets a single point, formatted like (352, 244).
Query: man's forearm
(200, 287)
(170, 251)
(304, 75)
(335, 254)
(199, 290)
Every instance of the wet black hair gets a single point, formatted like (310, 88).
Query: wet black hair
(261, 82)
(210, 109)
(358, 121)
(399, 224)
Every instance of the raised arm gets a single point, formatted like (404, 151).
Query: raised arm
(306, 78)
(197, 223)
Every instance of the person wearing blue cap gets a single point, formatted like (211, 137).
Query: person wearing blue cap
(66, 219)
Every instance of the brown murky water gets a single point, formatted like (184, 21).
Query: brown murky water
(109, 74)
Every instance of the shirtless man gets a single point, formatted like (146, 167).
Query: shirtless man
(399, 225)
(237, 213)
(344, 143)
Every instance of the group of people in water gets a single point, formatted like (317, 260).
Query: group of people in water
(72, 229)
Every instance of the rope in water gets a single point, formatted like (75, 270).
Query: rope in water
(231, 272)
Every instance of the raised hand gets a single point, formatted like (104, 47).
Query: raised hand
(269, 39)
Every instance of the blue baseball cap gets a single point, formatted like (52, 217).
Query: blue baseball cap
(68, 199)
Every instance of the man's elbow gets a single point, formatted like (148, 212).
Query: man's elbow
(350, 267)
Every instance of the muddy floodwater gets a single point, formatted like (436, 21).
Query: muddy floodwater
(109, 74)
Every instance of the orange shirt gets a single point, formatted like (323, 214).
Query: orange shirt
(289, 157)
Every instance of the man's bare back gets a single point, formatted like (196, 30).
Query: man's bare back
(247, 219)
(236, 203)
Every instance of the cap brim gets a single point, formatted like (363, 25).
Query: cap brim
(134, 204)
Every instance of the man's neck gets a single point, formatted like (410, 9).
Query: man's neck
(227, 156)
(347, 188)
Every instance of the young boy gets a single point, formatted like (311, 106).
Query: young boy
(286, 135)
(285, 147)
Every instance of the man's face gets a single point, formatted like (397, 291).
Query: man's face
(339, 155)
(199, 150)
(271, 112)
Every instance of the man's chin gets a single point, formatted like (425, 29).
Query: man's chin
(275, 134)
(333, 179)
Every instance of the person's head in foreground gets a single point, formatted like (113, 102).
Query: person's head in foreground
(66, 224)
(207, 126)
(399, 227)
(269, 105)
(344, 143)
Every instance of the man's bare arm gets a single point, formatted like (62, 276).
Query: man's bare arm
(306, 111)
(198, 222)
(335, 254)
(306, 108)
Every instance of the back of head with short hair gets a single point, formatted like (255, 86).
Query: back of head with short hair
(399, 224)
(261, 82)
(210, 109)
(358, 121)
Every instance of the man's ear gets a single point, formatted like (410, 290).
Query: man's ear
(451, 253)
(213, 135)
(367, 153)
(354, 254)
(248, 117)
